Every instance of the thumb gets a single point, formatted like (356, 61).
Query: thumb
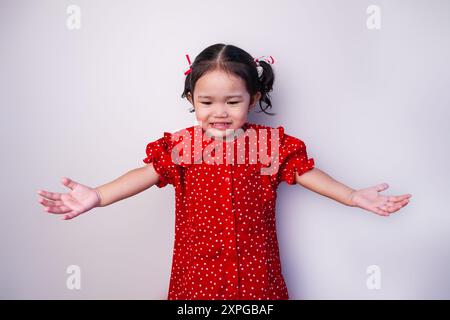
(69, 183)
(382, 186)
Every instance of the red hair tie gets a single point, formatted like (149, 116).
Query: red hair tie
(263, 58)
(190, 65)
(266, 59)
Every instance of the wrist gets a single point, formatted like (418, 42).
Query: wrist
(351, 199)
(99, 197)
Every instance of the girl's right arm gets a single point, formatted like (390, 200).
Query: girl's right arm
(82, 198)
(127, 185)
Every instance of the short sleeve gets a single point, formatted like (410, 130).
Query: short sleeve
(293, 158)
(159, 154)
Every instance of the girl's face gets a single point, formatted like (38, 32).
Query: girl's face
(222, 103)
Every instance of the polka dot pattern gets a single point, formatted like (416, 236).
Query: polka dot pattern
(226, 245)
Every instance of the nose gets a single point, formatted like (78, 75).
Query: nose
(221, 112)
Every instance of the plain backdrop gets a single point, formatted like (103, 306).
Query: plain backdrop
(371, 105)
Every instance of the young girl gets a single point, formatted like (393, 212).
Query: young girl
(225, 234)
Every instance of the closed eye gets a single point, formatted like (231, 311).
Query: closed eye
(231, 102)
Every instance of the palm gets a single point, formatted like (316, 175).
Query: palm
(370, 199)
(80, 199)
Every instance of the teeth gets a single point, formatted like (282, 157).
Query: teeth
(221, 125)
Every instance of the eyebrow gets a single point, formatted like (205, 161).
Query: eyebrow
(232, 96)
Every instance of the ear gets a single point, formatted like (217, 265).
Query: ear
(189, 97)
(254, 99)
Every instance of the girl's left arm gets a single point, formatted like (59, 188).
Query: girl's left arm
(368, 199)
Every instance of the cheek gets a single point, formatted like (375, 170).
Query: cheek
(240, 113)
(201, 115)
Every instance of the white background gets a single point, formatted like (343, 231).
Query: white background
(372, 106)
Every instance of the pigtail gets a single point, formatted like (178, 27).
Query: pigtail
(265, 86)
(188, 89)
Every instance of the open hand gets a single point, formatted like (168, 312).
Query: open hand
(80, 199)
(370, 199)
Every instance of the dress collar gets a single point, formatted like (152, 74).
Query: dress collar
(193, 132)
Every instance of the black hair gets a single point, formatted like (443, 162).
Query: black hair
(238, 62)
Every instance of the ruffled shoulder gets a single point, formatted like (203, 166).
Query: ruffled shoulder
(293, 158)
(161, 153)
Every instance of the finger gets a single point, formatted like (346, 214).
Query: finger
(70, 215)
(399, 198)
(401, 206)
(380, 211)
(395, 207)
(49, 203)
(382, 187)
(388, 208)
(50, 195)
(397, 203)
(57, 209)
(69, 183)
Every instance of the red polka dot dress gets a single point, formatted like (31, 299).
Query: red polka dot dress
(225, 244)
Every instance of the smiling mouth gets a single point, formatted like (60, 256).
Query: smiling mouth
(221, 125)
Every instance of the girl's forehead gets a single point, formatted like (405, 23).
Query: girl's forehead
(235, 95)
(218, 83)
